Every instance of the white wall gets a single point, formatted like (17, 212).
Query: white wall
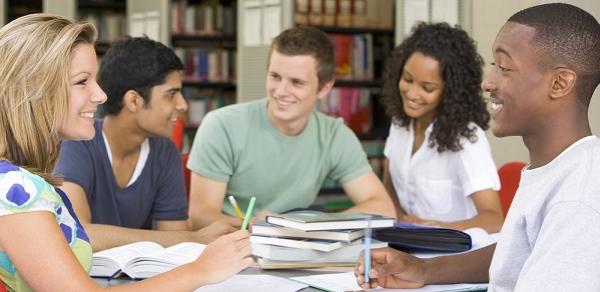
(488, 18)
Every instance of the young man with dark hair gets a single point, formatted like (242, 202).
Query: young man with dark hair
(128, 179)
(546, 67)
(280, 149)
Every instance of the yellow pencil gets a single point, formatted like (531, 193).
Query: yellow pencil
(236, 208)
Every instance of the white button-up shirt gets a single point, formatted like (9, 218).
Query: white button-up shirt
(438, 186)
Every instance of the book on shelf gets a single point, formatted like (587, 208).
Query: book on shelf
(353, 56)
(309, 220)
(345, 13)
(348, 253)
(353, 105)
(302, 243)
(329, 12)
(265, 229)
(207, 64)
(301, 11)
(315, 17)
(143, 259)
(202, 19)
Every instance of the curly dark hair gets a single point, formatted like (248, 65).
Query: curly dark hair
(461, 69)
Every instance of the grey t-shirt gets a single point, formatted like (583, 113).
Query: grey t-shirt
(551, 237)
(157, 194)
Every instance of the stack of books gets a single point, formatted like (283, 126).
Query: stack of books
(309, 239)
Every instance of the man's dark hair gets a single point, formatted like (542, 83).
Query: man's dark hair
(138, 64)
(567, 36)
(307, 40)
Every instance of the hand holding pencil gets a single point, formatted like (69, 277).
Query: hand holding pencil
(390, 268)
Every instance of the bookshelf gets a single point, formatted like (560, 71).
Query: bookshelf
(13, 9)
(362, 33)
(203, 34)
(109, 17)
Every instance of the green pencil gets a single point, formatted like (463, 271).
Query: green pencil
(248, 213)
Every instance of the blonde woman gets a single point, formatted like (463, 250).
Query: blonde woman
(48, 93)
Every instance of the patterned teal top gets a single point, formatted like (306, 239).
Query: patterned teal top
(21, 191)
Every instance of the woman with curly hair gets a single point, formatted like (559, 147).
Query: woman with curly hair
(439, 167)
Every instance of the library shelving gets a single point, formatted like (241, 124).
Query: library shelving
(109, 17)
(203, 34)
(362, 33)
(18, 8)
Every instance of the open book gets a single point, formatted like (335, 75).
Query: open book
(143, 259)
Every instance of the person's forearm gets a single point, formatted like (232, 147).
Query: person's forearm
(375, 206)
(108, 236)
(489, 220)
(471, 267)
(201, 218)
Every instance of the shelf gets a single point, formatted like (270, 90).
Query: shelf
(226, 85)
(102, 5)
(356, 30)
(217, 40)
(357, 83)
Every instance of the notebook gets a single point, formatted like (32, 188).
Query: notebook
(416, 238)
(342, 282)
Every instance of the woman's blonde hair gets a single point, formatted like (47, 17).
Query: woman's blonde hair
(35, 57)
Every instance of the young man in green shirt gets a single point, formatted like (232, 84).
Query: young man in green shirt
(280, 149)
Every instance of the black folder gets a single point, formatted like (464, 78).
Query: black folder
(416, 238)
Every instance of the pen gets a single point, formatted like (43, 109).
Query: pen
(248, 213)
(236, 208)
(368, 250)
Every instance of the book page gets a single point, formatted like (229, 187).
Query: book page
(107, 262)
(123, 254)
(142, 267)
(245, 283)
(182, 253)
(479, 238)
(347, 282)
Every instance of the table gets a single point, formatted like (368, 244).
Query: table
(248, 271)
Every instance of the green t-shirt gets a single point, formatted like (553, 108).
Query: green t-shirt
(238, 144)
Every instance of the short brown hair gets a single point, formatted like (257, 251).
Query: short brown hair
(307, 40)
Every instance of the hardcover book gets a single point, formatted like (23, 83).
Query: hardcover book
(263, 228)
(316, 220)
